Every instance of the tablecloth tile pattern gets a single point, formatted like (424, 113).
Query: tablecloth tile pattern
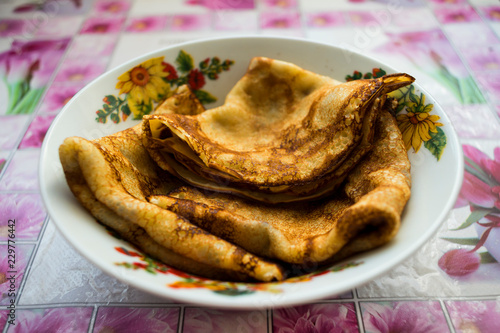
(452, 47)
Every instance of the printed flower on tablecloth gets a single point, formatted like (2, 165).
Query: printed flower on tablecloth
(112, 6)
(78, 70)
(474, 316)
(284, 4)
(325, 19)
(456, 14)
(216, 320)
(190, 22)
(334, 317)
(27, 210)
(360, 17)
(43, 5)
(57, 96)
(279, 20)
(492, 12)
(408, 317)
(484, 58)
(146, 24)
(36, 132)
(150, 82)
(12, 268)
(481, 192)
(124, 319)
(70, 319)
(26, 69)
(223, 4)
(430, 51)
(12, 27)
(449, 2)
(102, 25)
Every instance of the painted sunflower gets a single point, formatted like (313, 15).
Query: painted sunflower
(417, 124)
(144, 82)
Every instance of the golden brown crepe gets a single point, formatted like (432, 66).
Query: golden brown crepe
(282, 130)
(283, 135)
(112, 176)
(364, 214)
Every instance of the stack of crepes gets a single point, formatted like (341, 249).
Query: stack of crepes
(295, 170)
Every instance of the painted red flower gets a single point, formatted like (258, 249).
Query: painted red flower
(172, 73)
(196, 80)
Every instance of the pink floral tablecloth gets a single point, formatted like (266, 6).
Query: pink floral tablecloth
(50, 49)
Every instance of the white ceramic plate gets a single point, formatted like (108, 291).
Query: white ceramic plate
(436, 182)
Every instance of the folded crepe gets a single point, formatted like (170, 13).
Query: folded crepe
(283, 134)
(357, 164)
(112, 176)
(365, 213)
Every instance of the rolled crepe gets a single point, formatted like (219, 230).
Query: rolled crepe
(283, 134)
(113, 175)
(364, 214)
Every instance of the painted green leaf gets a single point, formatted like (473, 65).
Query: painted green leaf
(428, 108)
(414, 98)
(437, 143)
(114, 118)
(487, 258)
(355, 76)
(401, 96)
(143, 109)
(234, 292)
(462, 241)
(125, 109)
(379, 72)
(184, 61)
(215, 61)
(111, 100)
(101, 116)
(205, 97)
(474, 216)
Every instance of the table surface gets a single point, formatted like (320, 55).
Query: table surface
(453, 48)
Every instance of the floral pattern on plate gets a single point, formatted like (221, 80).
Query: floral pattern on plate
(188, 281)
(418, 126)
(153, 80)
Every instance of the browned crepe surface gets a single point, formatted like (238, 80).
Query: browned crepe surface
(126, 180)
(111, 178)
(282, 130)
(362, 215)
